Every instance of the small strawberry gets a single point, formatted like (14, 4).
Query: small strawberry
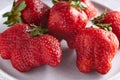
(112, 19)
(66, 19)
(28, 48)
(28, 11)
(91, 11)
(95, 50)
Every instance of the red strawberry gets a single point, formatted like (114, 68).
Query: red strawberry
(26, 48)
(11, 39)
(28, 11)
(65, 21)
(112, 19)
(88, 6)
(95, 50)
(91, 11)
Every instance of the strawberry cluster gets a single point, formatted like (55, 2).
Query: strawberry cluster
(36, 30)
(27, 42)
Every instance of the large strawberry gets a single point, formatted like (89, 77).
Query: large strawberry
(112, 19)
(95, 50)
(65, 20)
(28, 11)
(27, 47)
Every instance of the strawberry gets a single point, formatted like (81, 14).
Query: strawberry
(65, 21)
(112, 19)
(95, 50)
(91, 11)
(28, 48)
(28, 11)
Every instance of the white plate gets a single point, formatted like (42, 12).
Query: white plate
(67, 70)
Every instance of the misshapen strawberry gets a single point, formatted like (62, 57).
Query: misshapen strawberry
(65, 21)
(95, 50)
(27, 48)
(28, 11)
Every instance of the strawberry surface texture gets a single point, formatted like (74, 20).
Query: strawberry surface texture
(66, 21)
(113, 18)
(95, 50)
(29, 12)
(26, 51)
(91, 11)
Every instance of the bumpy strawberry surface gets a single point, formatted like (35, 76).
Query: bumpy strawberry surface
(65, 21)
(30, 12)
(113, 18)
(91, 11)
(95, 50)
(36, 12)
(26, 51)
(88, 7)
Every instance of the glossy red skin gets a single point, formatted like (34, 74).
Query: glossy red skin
(36, 12)
(27, 52)
(91, 11)
(66, 21)
(10, 37)
(113, 18)
(95, 50)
